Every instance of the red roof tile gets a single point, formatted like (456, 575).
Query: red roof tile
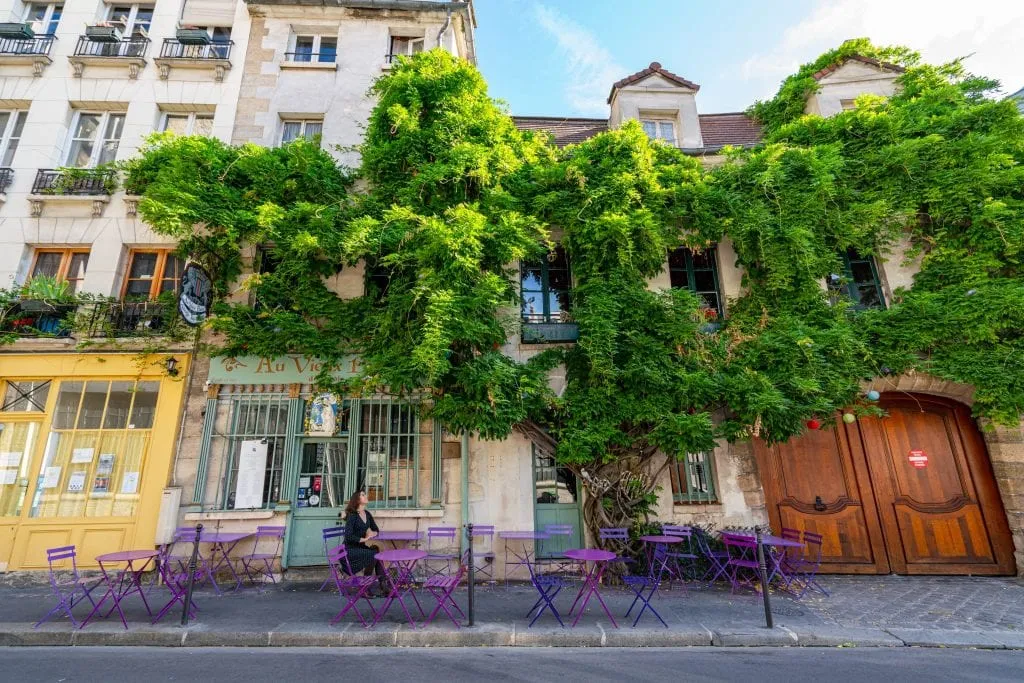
(566, 131)
(832, 68)
(654, 68)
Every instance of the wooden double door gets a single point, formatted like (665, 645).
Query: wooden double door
(910, 493)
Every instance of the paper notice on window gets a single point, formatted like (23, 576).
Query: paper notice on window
(8, 477)
(106, 465)
(82, 455)
(130, 482)
(252, 472)
(10, 458)
(76, 483)
(304, 482)
(51, 479)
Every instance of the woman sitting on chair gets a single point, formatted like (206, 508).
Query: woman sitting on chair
(360, 528)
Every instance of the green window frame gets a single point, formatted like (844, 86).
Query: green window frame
(697, 271)
(693, 479)
(252, 417)
(859, 281)
(546, 296)
(387, 437)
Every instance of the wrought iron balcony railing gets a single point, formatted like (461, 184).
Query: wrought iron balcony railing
(135, 47)
(40, 45)
(74, 181)
(6, 177)
(99, 319)
(175, 49)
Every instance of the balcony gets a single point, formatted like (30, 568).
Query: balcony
(214, 56)
(94, 320)
(91, 51)
(34, 52)
(556, 329)
(6, 178)
(94, 185)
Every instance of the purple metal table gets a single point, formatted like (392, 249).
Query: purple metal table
(222, 542)
(594, 562)
(397, 535)
(524, 559)
(652, 541)
(398, 568)
(124, 582)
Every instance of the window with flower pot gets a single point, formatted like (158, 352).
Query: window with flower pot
(151, 273)
(135, 19)
(67, 265)
(697, 271)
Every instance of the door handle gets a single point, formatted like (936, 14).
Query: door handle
(818, 505)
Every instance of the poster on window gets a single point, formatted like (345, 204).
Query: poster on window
(101, 482)
(252, 472)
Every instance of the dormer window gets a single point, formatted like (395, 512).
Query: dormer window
(660, 129)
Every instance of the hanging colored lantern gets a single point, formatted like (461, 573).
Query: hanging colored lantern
(849, 418)
(814, 423)
(873, 395)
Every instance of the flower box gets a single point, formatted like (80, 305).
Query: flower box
(16, 31)
(103, 34)
(193, 36)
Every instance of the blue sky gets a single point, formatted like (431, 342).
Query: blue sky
(560, 57)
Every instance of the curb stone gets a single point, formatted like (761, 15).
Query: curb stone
(510, 635)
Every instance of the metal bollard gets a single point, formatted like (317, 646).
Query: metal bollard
(193, 565)
(762, 569)
(471, 575)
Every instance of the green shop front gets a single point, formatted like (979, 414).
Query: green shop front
(274, 451)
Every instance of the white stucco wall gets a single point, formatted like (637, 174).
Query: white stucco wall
(848, 82)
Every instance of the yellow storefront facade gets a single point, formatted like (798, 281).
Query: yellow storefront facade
(87, 443)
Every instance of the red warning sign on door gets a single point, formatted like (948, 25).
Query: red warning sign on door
(918, 459)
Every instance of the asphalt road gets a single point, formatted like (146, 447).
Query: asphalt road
(226, 665)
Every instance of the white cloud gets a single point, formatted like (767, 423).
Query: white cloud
(590, 69)
(991, 31)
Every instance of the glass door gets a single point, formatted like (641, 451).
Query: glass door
(320, 498)
(556, 502)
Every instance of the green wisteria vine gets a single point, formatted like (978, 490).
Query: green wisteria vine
(451, 196)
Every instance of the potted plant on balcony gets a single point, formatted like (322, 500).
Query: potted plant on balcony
(16, 31)
(193, 35)
(46, 294)
(101, 179)
(104, 32)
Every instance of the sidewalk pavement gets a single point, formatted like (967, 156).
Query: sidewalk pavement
(883, 611)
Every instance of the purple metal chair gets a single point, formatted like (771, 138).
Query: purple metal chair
(742, 552)
(67, 590)
(685, 559)
(257, 564)
(548, 587)
(804, 570)
(331, 534)
(558, 563)
(351, 589)
(442, 587)
(716, 559)
(485, 532)
(639, 585)
(441, 547)
(615, 539)
(784, 560)
(175, 575)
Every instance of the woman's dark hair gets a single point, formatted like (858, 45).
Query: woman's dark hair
(353, 503)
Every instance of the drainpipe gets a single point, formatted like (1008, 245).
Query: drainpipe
(465, 484)
(444, 29)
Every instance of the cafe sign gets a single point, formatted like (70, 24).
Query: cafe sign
(291, 369)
